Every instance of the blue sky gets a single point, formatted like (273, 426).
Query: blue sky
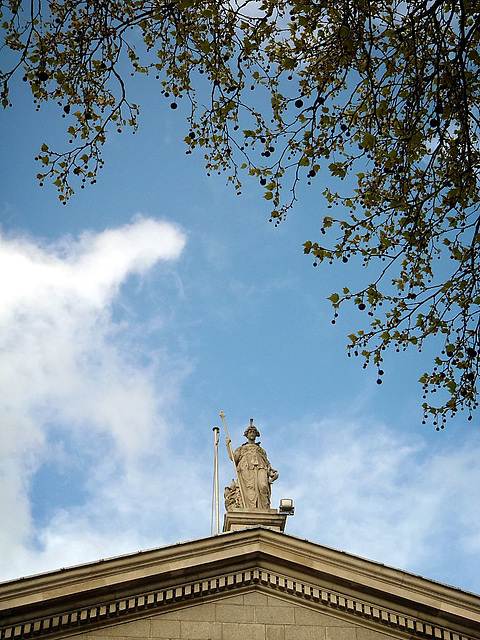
(157, 298)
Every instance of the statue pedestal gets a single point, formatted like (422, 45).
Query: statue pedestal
(238, 519)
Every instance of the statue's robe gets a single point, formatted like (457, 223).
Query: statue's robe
(254, 469)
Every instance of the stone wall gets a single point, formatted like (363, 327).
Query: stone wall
(251, 616)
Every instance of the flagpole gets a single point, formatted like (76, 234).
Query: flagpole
(216, 501)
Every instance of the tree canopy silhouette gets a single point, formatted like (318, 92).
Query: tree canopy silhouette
(384, 93)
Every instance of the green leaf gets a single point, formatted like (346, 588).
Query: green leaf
(368, 141)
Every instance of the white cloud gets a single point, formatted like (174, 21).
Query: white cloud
(64, 370)
(88, 271)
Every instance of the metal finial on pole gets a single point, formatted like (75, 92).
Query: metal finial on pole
(215, 497)
(232, 458)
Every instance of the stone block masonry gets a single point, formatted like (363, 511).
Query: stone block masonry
(251, 616)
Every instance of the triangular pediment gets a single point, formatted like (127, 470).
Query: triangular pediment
(253, 584)
(252, 615)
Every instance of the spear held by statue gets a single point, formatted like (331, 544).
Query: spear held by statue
(232, 458)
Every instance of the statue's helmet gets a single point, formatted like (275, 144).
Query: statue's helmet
(251, 427)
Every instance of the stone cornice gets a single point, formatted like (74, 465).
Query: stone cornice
(113, 611)
(61, 601)
(363, 575)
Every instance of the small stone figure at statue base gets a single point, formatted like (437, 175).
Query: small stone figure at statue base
(233, 499)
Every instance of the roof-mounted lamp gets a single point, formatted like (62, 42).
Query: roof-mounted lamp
(286, 507)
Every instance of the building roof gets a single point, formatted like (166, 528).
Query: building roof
(59, 602)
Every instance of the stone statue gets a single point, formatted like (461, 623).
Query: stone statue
(255, 474)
